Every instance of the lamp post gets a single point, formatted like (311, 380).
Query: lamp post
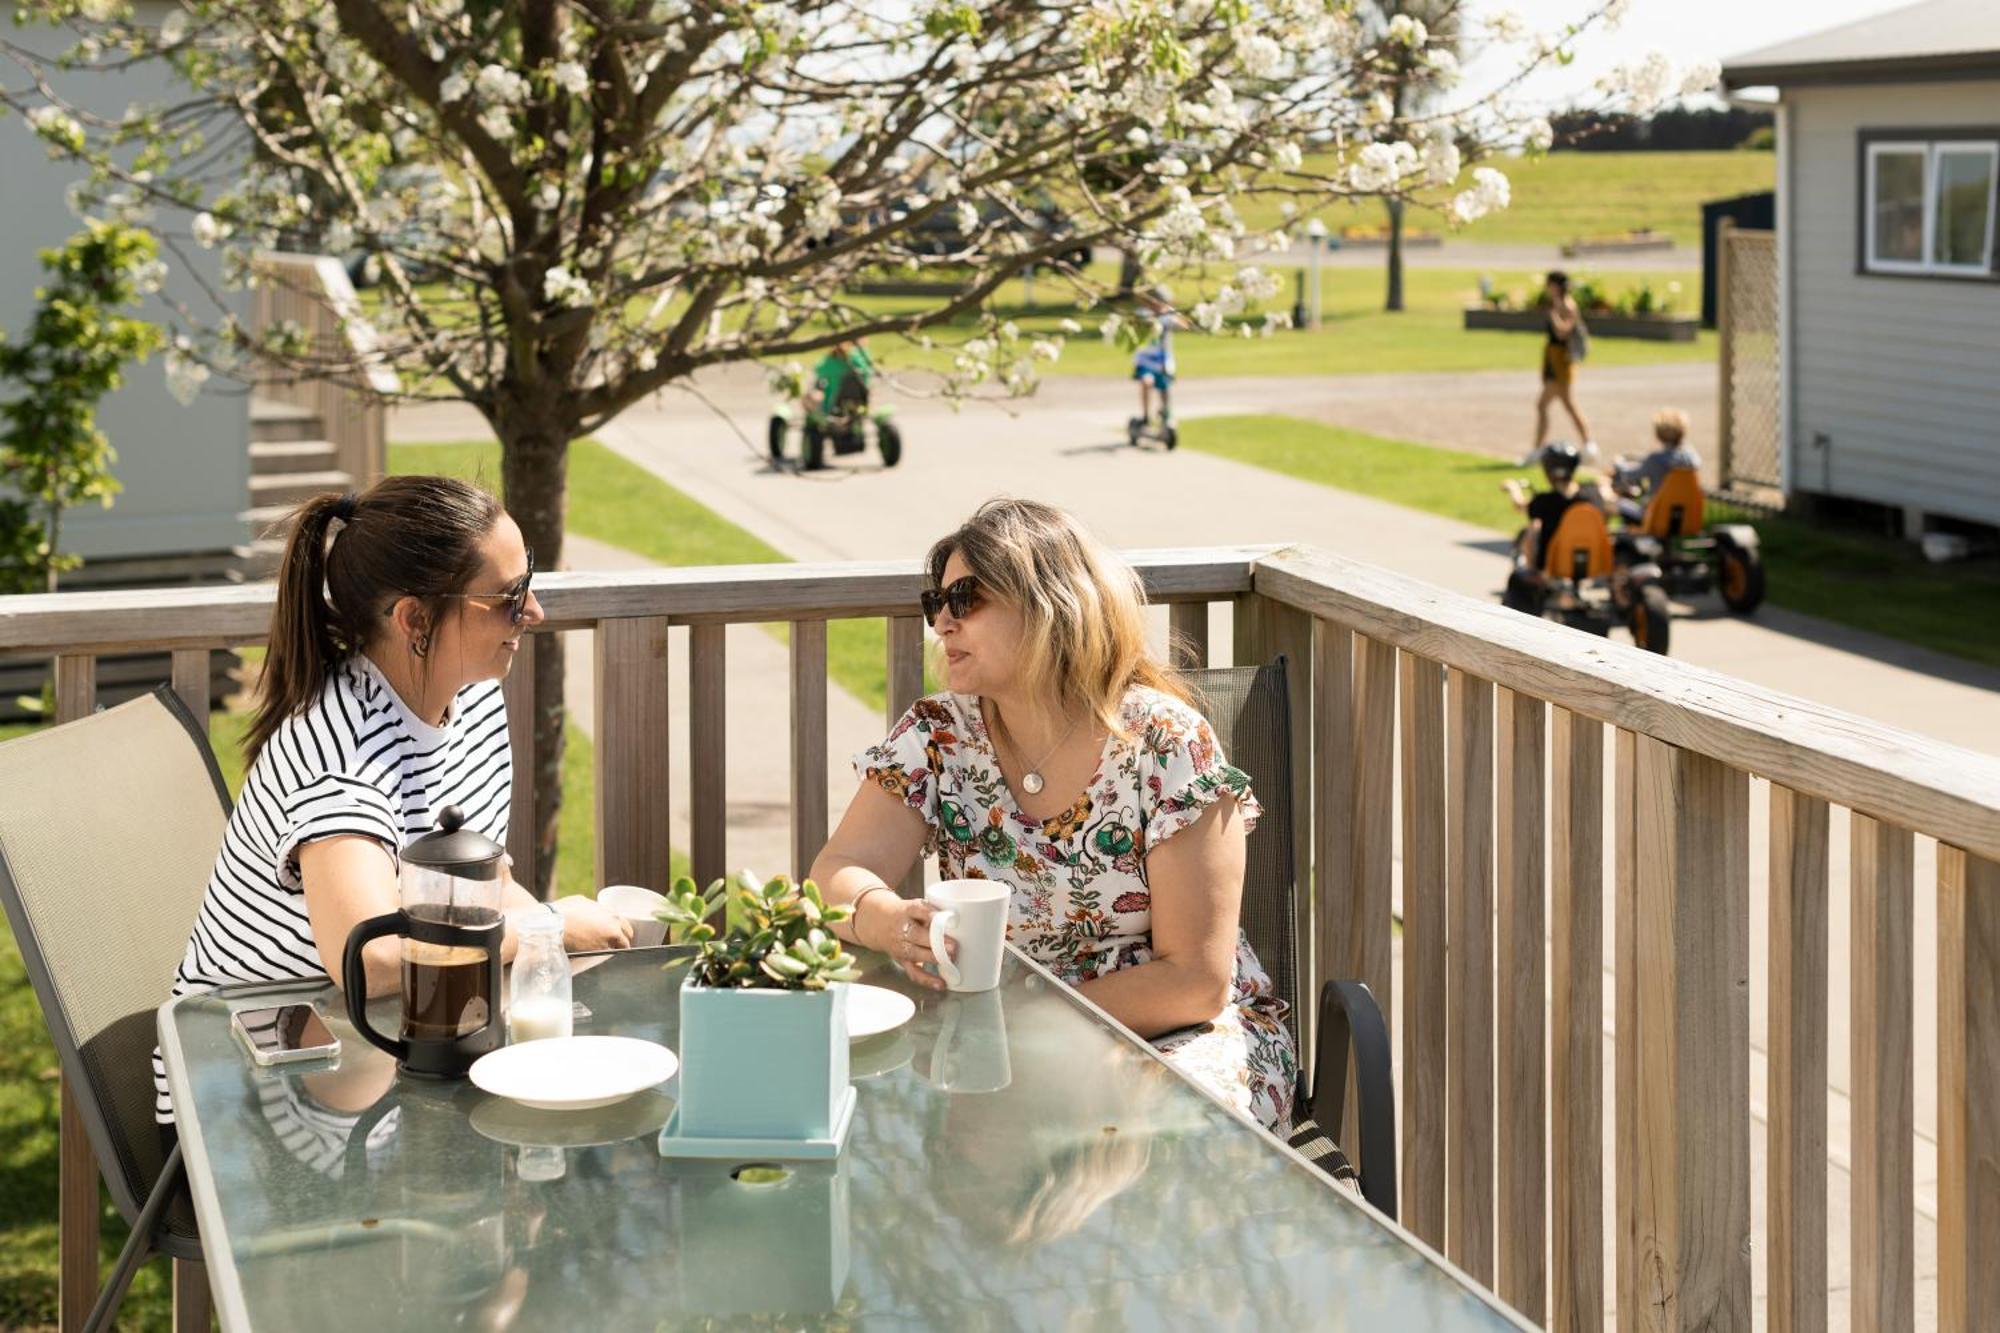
(1316, 237)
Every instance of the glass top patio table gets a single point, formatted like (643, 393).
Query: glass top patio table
(1092, 1186)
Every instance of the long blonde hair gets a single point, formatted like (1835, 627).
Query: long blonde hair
(1083, 608)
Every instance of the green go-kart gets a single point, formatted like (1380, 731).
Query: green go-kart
(840, 418)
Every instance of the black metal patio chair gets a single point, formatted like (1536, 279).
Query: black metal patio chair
(1251, 713)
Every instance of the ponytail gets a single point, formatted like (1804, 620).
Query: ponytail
(346, 561)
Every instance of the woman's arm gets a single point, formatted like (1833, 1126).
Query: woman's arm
(349, 879)
(878, 840)
(1196, 879)
(1562, 316)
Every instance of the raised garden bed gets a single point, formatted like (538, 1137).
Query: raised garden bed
(1616, 245)
(1652, 328)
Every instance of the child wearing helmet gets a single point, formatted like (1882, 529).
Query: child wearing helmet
(1545, 509)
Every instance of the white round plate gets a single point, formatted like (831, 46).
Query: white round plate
(524, 1127)
(872, 1010)
(573, 1073)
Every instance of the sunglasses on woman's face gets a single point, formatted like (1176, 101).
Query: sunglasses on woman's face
(962, 597)
(514, 597)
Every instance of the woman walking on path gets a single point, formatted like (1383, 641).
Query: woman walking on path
(1558, 365)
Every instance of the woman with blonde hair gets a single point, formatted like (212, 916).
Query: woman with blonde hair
(1066, 761)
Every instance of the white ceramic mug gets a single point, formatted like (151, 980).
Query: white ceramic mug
(970, 1053)
(641, 909)
(973, 912)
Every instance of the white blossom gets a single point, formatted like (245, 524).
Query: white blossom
(1441, 158)
(565, 288)
(1259, 55)
(1489, 193)
(1701, 77)
(1287, 156)
(1381, 166)
(1539, 135)
(1207, 316)
(185, 376)
(455, 86)
(206, 230)
(1408, 30)
(1137, 136)
(57, 126)
(1615, 12)
(547, 195)
(572, 78)
(173, 28)
(150, 276)
(496, 122)
(497, 83)
(1506, 25)
(98, 11)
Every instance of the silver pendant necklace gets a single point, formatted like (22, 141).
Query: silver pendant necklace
(1031, 781)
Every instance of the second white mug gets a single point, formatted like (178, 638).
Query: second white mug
(974, 913)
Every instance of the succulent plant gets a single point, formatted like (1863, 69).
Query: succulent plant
(776, 934)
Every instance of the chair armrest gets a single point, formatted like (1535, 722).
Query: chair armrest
(1349, 1017)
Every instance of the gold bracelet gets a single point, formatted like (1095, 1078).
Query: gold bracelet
(854, 909)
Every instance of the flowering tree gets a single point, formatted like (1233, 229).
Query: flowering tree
(573, 204)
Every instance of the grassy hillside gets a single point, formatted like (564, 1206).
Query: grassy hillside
(1566, 195)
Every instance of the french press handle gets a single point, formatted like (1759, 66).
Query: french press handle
(354, 977)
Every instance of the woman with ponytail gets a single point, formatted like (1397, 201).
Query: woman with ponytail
(399, 612)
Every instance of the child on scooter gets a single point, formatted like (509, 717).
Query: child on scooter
(1153, 364)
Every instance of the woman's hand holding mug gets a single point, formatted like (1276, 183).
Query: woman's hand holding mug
(901, 928)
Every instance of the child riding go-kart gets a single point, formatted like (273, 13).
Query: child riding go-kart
(1666, 526)
(1564, 569)
(836, 412)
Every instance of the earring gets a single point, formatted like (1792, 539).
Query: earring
(421, 645)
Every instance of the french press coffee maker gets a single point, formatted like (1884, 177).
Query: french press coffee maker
(451, 928)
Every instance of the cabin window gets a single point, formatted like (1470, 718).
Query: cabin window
(1929, 206)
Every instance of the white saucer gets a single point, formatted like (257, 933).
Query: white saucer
(872, 1010)
(573, 1073)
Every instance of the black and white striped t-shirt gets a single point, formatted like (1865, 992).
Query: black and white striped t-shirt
(356, 761)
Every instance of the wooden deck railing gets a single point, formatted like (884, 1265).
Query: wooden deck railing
(1489, 746)
(313, 292)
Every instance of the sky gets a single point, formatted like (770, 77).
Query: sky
(1686, 30)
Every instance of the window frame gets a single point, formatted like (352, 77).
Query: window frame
(1870, 146)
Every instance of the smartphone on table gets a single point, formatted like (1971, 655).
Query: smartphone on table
(285, 1032)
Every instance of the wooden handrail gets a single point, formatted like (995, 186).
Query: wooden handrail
(1944, 790)
(313, 292)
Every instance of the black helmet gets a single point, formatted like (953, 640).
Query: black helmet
(1560, 459)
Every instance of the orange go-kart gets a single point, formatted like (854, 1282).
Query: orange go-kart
(1582, 584)
(1686, 555)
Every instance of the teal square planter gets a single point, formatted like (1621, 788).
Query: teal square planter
(763, 1064)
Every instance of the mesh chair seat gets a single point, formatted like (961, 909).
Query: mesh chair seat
(108, 831)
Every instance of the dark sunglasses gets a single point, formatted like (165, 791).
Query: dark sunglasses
(962, 597)
(514, 597)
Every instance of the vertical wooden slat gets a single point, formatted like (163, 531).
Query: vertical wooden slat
(1625, 1068)
(76, 1165)
(1521, 1169)
(808, 743)
(190, 678)
(1692, 876)
(906, 665)
(1469, 1082)
(1883, 1148)
(906, 686)
(633, 810)
(1187, 634)
(1968, 1092)
(1372, 878)
(1796, 1206)
(1424, 1016)
(1576, 989)
(708, 752)
(1333, 835)
(193, 1308)
(517, 689)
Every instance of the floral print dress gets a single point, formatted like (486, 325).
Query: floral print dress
(1081, 906)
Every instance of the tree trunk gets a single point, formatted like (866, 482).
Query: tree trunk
(1128, 272)
(534, 472)
(1395, 301)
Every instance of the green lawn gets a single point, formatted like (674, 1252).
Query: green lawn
(1871, 583)
(618, 502)
(1562, 196)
